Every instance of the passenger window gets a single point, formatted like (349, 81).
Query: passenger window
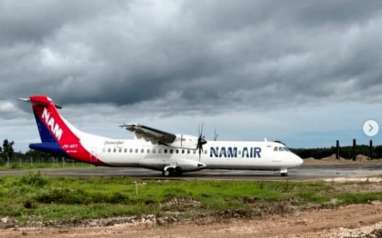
(275, 149)
(125, 150)
(120, 150)
(115, 150)
(136, 150)
(154, 151)
(188, 151)
(159, 151)
(165, 151)
(182, 151)
(142, 151)
(177, 151)
(109, 150)
(171, 151)
(194, 151)
(131, 150)
(148, 151)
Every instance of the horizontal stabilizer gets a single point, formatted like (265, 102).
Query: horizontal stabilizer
(53, 148)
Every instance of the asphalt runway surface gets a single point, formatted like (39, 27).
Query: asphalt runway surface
(304, 172)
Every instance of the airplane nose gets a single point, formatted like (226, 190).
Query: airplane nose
(301, 161)
(297, 161)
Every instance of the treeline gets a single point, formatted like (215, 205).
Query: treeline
(7, 153)
(345, 152)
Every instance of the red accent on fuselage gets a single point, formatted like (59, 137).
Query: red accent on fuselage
(46, 111)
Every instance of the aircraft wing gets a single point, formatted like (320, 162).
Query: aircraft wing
(155, 136)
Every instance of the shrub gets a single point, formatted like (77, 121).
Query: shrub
(34, 179)
(62, 195)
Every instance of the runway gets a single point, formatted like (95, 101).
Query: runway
(306, 172)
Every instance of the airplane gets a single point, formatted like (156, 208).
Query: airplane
(154, 149)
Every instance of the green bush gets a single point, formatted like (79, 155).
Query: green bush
(78, 196)
(63, 196)
(33, 179)
(118, 198)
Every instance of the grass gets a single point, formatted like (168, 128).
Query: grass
(40, 165)
(38, 198)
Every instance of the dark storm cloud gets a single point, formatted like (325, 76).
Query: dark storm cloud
(195, 55)
(31, 21)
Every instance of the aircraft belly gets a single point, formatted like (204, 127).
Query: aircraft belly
(121, 161)
(153, 163)
(234, 163)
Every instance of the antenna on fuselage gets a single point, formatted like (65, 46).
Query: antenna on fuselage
(215, 135)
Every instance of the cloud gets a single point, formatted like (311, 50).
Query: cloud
(191, 57)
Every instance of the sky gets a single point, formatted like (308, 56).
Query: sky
(305, 72)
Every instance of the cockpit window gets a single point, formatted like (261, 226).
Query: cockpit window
(280, 148)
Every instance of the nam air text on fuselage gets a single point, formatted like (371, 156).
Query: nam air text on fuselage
(234, 152)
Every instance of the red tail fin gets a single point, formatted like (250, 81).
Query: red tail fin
(51, 125)
(56, 134)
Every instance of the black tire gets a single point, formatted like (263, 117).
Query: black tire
(177, 172)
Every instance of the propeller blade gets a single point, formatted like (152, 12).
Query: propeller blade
(201, 140)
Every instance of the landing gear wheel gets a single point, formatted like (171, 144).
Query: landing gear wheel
(171, 171)
(166, 173)
(177, 172)
(283, 172)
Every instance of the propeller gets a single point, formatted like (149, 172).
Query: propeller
(201, 140)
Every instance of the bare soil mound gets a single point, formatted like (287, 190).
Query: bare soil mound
(362, 220)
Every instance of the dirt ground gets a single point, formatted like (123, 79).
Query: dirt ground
(348, 221)
(331, 160)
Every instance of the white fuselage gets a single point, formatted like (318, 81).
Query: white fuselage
(249, 155)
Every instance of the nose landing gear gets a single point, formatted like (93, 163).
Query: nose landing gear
(283, 172)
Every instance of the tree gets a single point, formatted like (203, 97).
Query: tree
(8, 150)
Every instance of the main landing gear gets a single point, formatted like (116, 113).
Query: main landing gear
(171, 171)
(283, 172)
(166, 173)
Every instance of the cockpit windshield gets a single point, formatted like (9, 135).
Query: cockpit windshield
(281, 148)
